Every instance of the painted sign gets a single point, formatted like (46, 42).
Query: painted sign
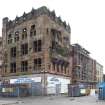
(25, 80)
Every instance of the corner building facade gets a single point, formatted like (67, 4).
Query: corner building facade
(36, 46)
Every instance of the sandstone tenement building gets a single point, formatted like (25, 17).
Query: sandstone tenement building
(36, 45)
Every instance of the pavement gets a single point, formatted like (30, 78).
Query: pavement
(53, 100)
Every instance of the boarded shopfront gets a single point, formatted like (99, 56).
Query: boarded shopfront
(15, 90)
(57, 85)
(45, 84)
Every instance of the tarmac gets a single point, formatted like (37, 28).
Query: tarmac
(52, 100)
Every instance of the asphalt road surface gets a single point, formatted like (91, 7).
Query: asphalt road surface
(52, 100)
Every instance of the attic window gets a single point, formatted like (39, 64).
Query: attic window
(24, 30)
(33, 27)
(16, 36)
(17, 33)
(24, 33)
(9, 36)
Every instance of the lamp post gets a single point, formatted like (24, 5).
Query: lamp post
(77, 72)
(44, 83)
(18, 92)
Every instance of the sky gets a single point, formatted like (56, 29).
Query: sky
(86, 18)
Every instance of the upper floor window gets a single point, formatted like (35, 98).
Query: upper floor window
(56, 35)
(54, 65)
(37, 45)
(33, 31)
(65, 69)
(24, 33)
(62, 68)
(13, 52)
(10, 38)
(16, 36)
(24, 49)
(37, 63)
(57, 68)
(13, 67)
(24, 66)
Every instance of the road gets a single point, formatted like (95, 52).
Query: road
(52, 100)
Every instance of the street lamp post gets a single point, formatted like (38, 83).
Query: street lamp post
(44, 82)
(18, 92)
(75, 76)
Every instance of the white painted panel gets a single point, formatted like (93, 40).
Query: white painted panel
(52, 81)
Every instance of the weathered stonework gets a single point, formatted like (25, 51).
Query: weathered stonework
(48, 28)
(37, 13)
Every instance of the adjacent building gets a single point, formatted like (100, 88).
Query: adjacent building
(1, 56)
(104, 77)
(83, 66)
(99, 72)
(36, 46)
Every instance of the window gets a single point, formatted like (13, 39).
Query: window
(13, 67)
(65, 69)
(37, 63)
(13, 52)
(47, 30)
(33, 31)
(37, 46)
(10, 39)
(24, 66)
(24, 49)
(24, 33)
(56, 35)
(5, 69)
(54, 66)
(53, 44)
(57, 68)
(10, 36)
(62, 68)
(16, 36)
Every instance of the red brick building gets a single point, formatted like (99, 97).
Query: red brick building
(1, 56)
(83, 66)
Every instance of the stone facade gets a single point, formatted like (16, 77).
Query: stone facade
(83, 68)
(36, 43)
